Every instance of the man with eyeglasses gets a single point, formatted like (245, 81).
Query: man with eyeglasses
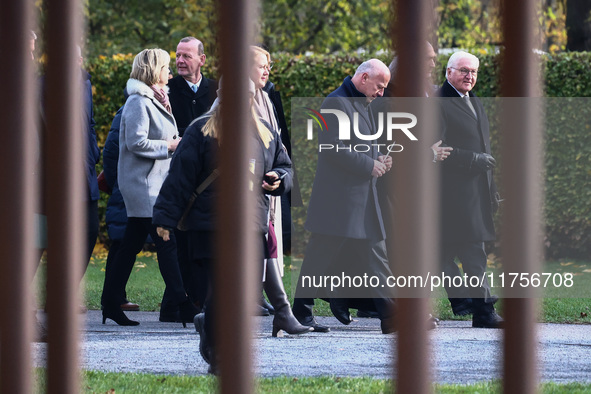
(468, 193)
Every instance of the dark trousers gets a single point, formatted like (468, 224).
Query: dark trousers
(117, 275)
(113, 249)
(286, 223)
(332, 255)
(473, 258)
(193, 273)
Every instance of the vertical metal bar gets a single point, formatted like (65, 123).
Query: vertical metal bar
(521, 141)
(17, 203)
(415, 211)
(236, 271)
(64, 177)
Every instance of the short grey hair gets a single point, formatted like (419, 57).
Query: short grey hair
(372, 67)
(457, 56)
(200, 49)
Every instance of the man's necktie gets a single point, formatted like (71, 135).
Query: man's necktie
(194, 88)
(467, 99)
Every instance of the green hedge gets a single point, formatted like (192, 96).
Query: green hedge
(568, 149)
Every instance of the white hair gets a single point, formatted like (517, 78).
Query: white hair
(371, 67)
(457, 56)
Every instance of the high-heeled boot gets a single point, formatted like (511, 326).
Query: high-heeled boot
(284, 318)
(117, 315)
(187, 312)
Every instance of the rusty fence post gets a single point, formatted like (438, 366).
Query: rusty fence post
(522, 187)
(415, 186)
(236, 273)
(17, 165)
(65, 193)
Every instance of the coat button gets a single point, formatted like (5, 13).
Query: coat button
(194, 102)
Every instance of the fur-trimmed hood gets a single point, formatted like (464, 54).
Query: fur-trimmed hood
(135, 86)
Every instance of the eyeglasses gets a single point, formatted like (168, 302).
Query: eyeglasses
(465, 71)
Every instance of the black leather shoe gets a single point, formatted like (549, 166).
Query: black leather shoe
(388, 326)
(130, 306)
(340, 310)
(487, 320)
(204, 347)
(463, 307)
(310, 321)
(187, 312)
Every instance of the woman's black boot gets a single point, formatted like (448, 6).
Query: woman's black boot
(117, 315)
(187, 312)
(284, 319)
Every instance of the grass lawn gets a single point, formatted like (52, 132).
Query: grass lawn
(100, 382)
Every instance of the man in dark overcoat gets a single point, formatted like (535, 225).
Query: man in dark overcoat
(191, 95)
(468, 193)
(344, 214)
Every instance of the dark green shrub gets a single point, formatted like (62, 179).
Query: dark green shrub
(568, 145)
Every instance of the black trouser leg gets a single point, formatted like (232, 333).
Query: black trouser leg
(113, 249)
(473, 258)
(182, 250)
(456, 294)
(169, 265)
(286, 223)
(117, 274)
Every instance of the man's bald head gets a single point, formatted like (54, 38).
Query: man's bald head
(371, 78)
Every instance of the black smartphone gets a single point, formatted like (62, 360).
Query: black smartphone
(271, 181)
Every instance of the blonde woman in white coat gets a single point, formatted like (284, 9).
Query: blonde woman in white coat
(148, 137)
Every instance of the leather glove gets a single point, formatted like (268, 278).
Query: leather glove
(483, 162)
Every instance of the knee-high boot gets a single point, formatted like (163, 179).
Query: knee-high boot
(284, 318)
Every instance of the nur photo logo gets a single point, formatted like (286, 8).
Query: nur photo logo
(387, 124)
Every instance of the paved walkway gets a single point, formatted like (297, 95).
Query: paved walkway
(460, 354)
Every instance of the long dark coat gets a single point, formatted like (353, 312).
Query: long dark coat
(467, 194)
(344, 198)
